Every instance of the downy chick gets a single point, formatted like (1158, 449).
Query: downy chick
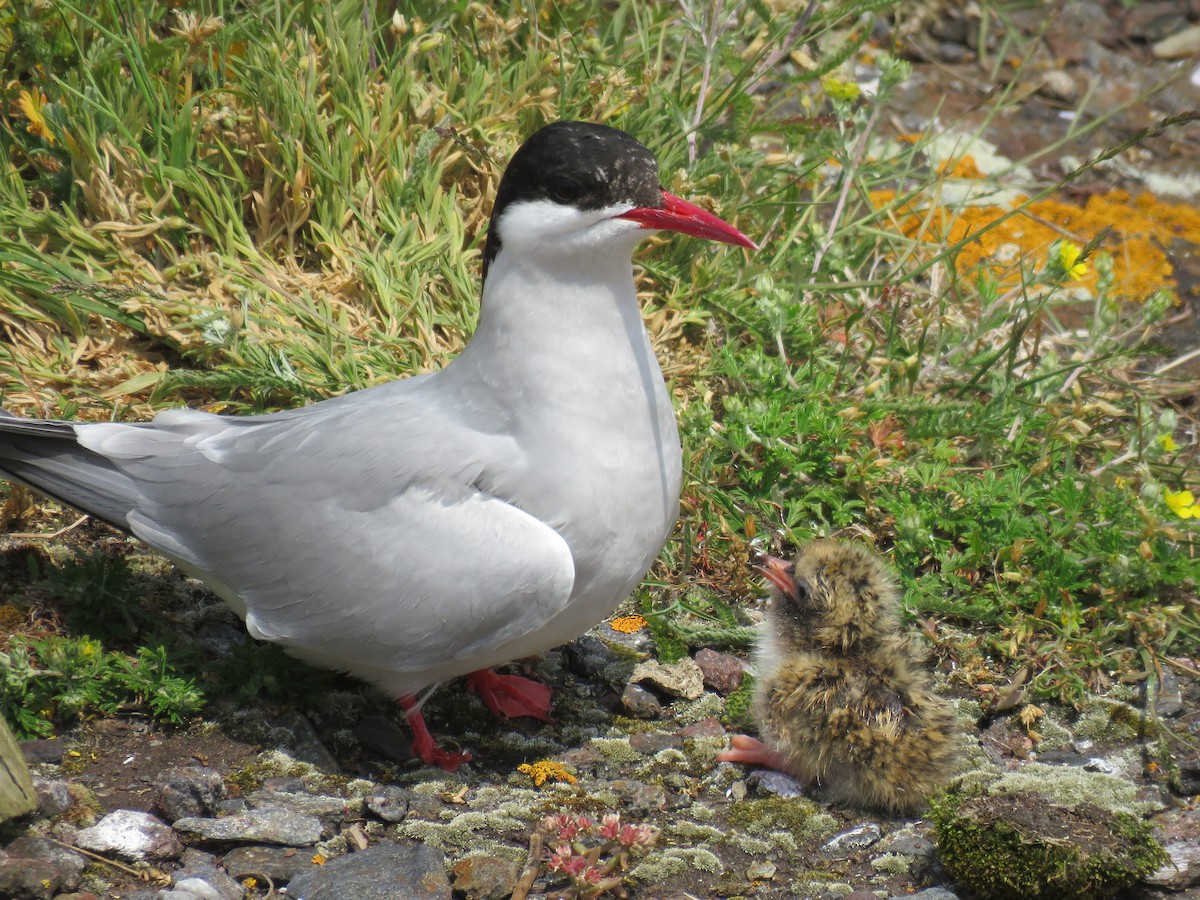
(842, 699)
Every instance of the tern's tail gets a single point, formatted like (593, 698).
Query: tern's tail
(46, 455)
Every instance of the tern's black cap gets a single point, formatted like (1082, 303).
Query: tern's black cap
(578, 164)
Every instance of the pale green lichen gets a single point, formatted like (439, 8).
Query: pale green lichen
(1068, 785)
(772, 841)
(1055, 735)
(1108, 721)
(674, 861)
(616, 750)
(895, 863)
(708, 706)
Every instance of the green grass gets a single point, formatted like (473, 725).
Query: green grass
(289, 204)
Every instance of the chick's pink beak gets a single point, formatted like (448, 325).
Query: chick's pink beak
(676, 214)
(777, 571)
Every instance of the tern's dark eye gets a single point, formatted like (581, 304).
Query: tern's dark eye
(564, 189)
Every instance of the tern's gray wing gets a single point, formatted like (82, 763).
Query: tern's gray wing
(359, 531)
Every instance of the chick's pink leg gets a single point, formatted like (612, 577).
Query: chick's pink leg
(508, 696)
(745, 749)
(423, 744)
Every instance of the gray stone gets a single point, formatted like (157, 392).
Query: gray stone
(188, 791)
(54, 797)
(485, 877)
(270, 826)
(722, 672)
(639, 798)
(389, 802)
(856, 838)
(933, 893)
(590, 657)
(1183, 871)
(778, 784)
(382, 872)
(42, 751)
(640, 703)
(383, 736)
(208, 883)
(277, 864)
(307, 804)
(191, 889)
(305, 744)
(36, 847)
(35, 879)
(651, 742)
(131, 834)
(679, 679)
(908, 842)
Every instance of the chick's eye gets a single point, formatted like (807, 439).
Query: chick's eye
(564, 189)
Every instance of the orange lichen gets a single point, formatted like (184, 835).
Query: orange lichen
(544, 770)
(964, 167)
(627, 624)
(1141, 227)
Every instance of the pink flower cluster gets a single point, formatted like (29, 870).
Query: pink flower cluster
(591, 869)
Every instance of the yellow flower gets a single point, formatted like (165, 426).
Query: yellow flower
(1183, 504)
(31, 105)
(840, 90)
(1168, 443)
(1068, 254)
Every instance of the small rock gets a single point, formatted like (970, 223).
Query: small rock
(34, 879)
(640, 703)
(908, 842)
(1059, 84)
(777, 784)
(1170, 697)
(191, 889)
(639, 798)
(306, 804)
(590, 657)
(1180, 45)
(383, 735)
(42, 751)
(284, 784)
(651, 742)
(485, 877)
(54, 797)
(279, 864)
(705, 728)
(188, 791)
(205, 883)
(638, 641)
(306, 745)
(933, 893)
(388, 802)
(270, 826)
(382, 872)
(722, 672)
(1183, 871)
(761, 870)
(680, 679)
(36, 847)
(132, 834)
(857, 838)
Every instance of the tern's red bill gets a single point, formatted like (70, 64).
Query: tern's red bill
(676, 214)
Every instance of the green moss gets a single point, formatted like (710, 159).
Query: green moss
(675, 861)
(1021, 847)
(1108, 721)
(801, 818)
(738, 706)
(617, 750)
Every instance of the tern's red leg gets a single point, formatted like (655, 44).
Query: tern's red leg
(508, 696)
(745, 749)
(423, 744)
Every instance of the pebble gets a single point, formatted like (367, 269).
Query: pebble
(933, 893)
(54, 797)
(131, 834)
(383, 735)
(1180, 45)
(272, 826)
(42, 751)
(641, 703)
(590, 657)
(307, 804)
(777, 784)
(388, 802)
(722, 672)
(485, 877)
(279, 864)
(639, 798)
(651, 742)
(856, 838)
(678, 679)
(35, 879)
(189, 791)
(761, 870)
(382, 872)
(1183, 871)
(306, 745)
